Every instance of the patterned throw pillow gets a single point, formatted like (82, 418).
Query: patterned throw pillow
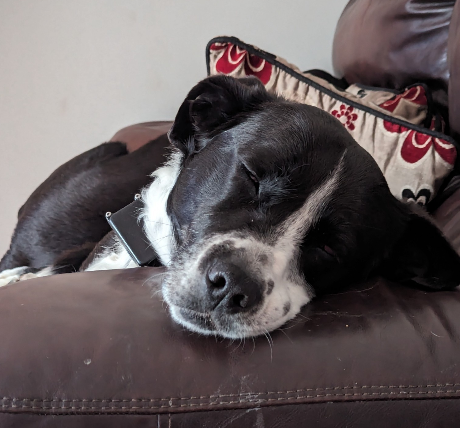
(397, 128)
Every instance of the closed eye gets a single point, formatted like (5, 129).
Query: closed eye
(252, 177)
(329, 251)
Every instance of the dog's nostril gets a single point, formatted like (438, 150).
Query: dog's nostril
(219, 281)
(240, 300)
(230, 288)
(216, 280)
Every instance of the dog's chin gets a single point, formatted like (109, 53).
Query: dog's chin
(194, 321)
(207, 324)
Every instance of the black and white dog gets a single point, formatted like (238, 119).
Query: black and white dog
(263, 204)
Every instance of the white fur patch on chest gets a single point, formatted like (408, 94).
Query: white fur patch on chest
(157, 225)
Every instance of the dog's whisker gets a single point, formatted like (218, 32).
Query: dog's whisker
(267, 334)
(239, 344)
(156, 292)
(153, 277)
(294, 324)
(299, 166)
(282, 330)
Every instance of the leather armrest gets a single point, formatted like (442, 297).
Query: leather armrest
(86, 345)
(135, 136)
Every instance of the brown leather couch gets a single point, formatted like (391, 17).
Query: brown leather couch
(99, 349)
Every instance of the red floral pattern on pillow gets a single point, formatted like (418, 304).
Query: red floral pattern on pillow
(234, 57)
(415, 94)
(346, 116)
(394, 127)
(416, 145)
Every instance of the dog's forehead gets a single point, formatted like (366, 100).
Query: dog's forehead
(289, 135)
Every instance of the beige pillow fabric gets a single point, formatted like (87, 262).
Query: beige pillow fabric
(388, 124)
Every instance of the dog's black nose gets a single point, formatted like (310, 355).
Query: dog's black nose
(231, 288)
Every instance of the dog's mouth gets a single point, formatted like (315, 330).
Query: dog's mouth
(197, 319)
(223, 326)
(210, 324)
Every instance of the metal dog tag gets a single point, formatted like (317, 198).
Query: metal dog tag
(130, 230)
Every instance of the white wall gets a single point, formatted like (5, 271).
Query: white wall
(72, 72)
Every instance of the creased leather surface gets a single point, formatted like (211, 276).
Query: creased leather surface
(394, 43)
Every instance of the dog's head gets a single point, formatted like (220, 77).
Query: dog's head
(273, 202)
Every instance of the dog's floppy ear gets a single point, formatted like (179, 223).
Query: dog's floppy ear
(210, 104)
(423, 255)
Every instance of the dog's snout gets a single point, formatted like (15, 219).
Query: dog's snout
(231, 289)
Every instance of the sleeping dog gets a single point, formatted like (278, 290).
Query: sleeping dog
(263, 204)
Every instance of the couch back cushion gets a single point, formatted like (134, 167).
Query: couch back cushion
(394, 43)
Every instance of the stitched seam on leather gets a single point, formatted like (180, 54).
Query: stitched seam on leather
(200, 397)
(256, 400)
(37, 404)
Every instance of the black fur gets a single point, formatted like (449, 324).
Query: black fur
(64, 219)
